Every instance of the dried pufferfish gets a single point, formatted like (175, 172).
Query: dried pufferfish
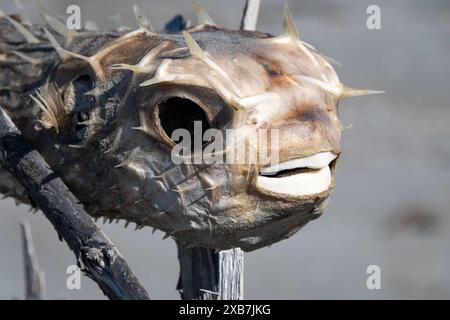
(101, 107)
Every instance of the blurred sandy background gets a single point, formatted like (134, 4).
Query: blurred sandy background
(392, 203)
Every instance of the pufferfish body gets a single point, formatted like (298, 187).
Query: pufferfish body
(108, 109)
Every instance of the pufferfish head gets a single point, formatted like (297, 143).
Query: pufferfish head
(220, 138)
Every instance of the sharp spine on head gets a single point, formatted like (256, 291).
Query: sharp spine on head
(146, 64)
(289, 28)
(57, 25)
(141, 18)
(95, 210)
(175, 53)
(351, 92)
(65, 54)
(76, 146)
(86, 123)
(91, 26)
(94, 194)
(290, 32)
(326, 86)
(95, 93)
(331, 60)
(258, 99)
(202, 16)
(340, 90)
(193, 46)
(142, 123)
(124, 66)
(29, 37)
(347, 127)
(198, 53)
(27, 58)
(159, 214)
(161, 76)
(121, 165)
(211, 185)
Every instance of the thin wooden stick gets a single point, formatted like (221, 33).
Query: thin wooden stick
(207, 274)
(95, 254)
(34, 277)
(250, 16)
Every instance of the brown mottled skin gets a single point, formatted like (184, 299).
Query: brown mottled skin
(122, 173)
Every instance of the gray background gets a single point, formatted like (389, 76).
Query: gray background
(391, 205)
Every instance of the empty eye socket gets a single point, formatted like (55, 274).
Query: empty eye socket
(181, 113)
(82, 106)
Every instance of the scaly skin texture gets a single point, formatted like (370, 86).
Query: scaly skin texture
(101, 131)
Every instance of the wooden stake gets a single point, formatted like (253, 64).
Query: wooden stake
(207, 274)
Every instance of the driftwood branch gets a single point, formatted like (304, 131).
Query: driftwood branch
(34, 277)
(250, 16)
(206, 274)
(95, 253)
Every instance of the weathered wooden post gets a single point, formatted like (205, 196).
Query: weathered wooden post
(250, 16)
(207, 274)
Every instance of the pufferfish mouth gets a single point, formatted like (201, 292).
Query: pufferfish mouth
(298, 177)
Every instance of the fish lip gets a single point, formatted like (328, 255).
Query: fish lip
(298, 186)
(317, 160)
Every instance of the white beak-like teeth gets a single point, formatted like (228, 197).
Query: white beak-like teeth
(316, 161)
(311, 182)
